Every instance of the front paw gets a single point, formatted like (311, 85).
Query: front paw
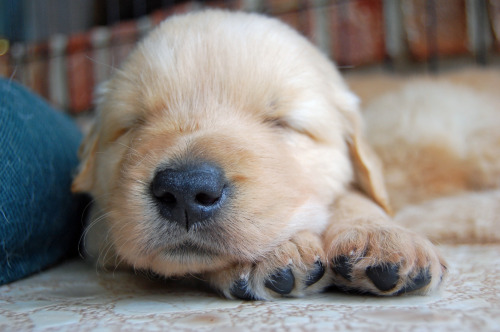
(294, 269)
(382, 259)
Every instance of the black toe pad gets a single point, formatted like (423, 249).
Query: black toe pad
(281, 282)
(241, 291)
(343, 266)
(315, 274)
(422, 279)
(384, 277)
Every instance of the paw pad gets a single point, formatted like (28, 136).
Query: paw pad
(384, 277)
(315, 274)
(241, 290)
(343, 266)
(420, 281)
(281, 282)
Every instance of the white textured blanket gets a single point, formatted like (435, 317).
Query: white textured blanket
(74, 297)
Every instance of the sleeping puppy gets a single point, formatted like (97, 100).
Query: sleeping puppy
(228, 147)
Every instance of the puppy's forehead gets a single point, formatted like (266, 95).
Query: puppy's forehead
(243, 62)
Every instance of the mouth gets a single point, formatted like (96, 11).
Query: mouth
(189, 252)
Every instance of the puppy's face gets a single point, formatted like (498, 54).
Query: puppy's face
(221, 136)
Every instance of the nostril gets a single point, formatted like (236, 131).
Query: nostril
(168, 198)
(162, 193)
(157, 187)
(206, 199)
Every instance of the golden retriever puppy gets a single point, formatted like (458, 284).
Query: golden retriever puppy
(228, 147)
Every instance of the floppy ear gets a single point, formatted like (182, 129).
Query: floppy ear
(84, 180)
(367, 166)
(368, 171)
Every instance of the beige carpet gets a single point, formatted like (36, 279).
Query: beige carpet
(74, 297)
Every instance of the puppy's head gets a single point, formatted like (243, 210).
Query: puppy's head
(222, 135)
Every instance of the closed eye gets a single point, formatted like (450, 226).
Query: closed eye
(285, 126)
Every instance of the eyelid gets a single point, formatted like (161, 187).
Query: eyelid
(119, 132)
(277, 122)
(284, 124)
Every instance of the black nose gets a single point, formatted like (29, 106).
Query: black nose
(190, 194)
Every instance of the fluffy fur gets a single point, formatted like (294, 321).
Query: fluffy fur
(439, 142)
(308, 207)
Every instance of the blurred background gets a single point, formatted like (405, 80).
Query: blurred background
(62, 48)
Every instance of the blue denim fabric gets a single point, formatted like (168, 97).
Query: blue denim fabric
(39, 218)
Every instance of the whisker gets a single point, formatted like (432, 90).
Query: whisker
(111, 66)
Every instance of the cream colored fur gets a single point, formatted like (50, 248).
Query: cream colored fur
(439, 140)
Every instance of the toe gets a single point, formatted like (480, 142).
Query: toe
(384, 277)
(281, 282)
